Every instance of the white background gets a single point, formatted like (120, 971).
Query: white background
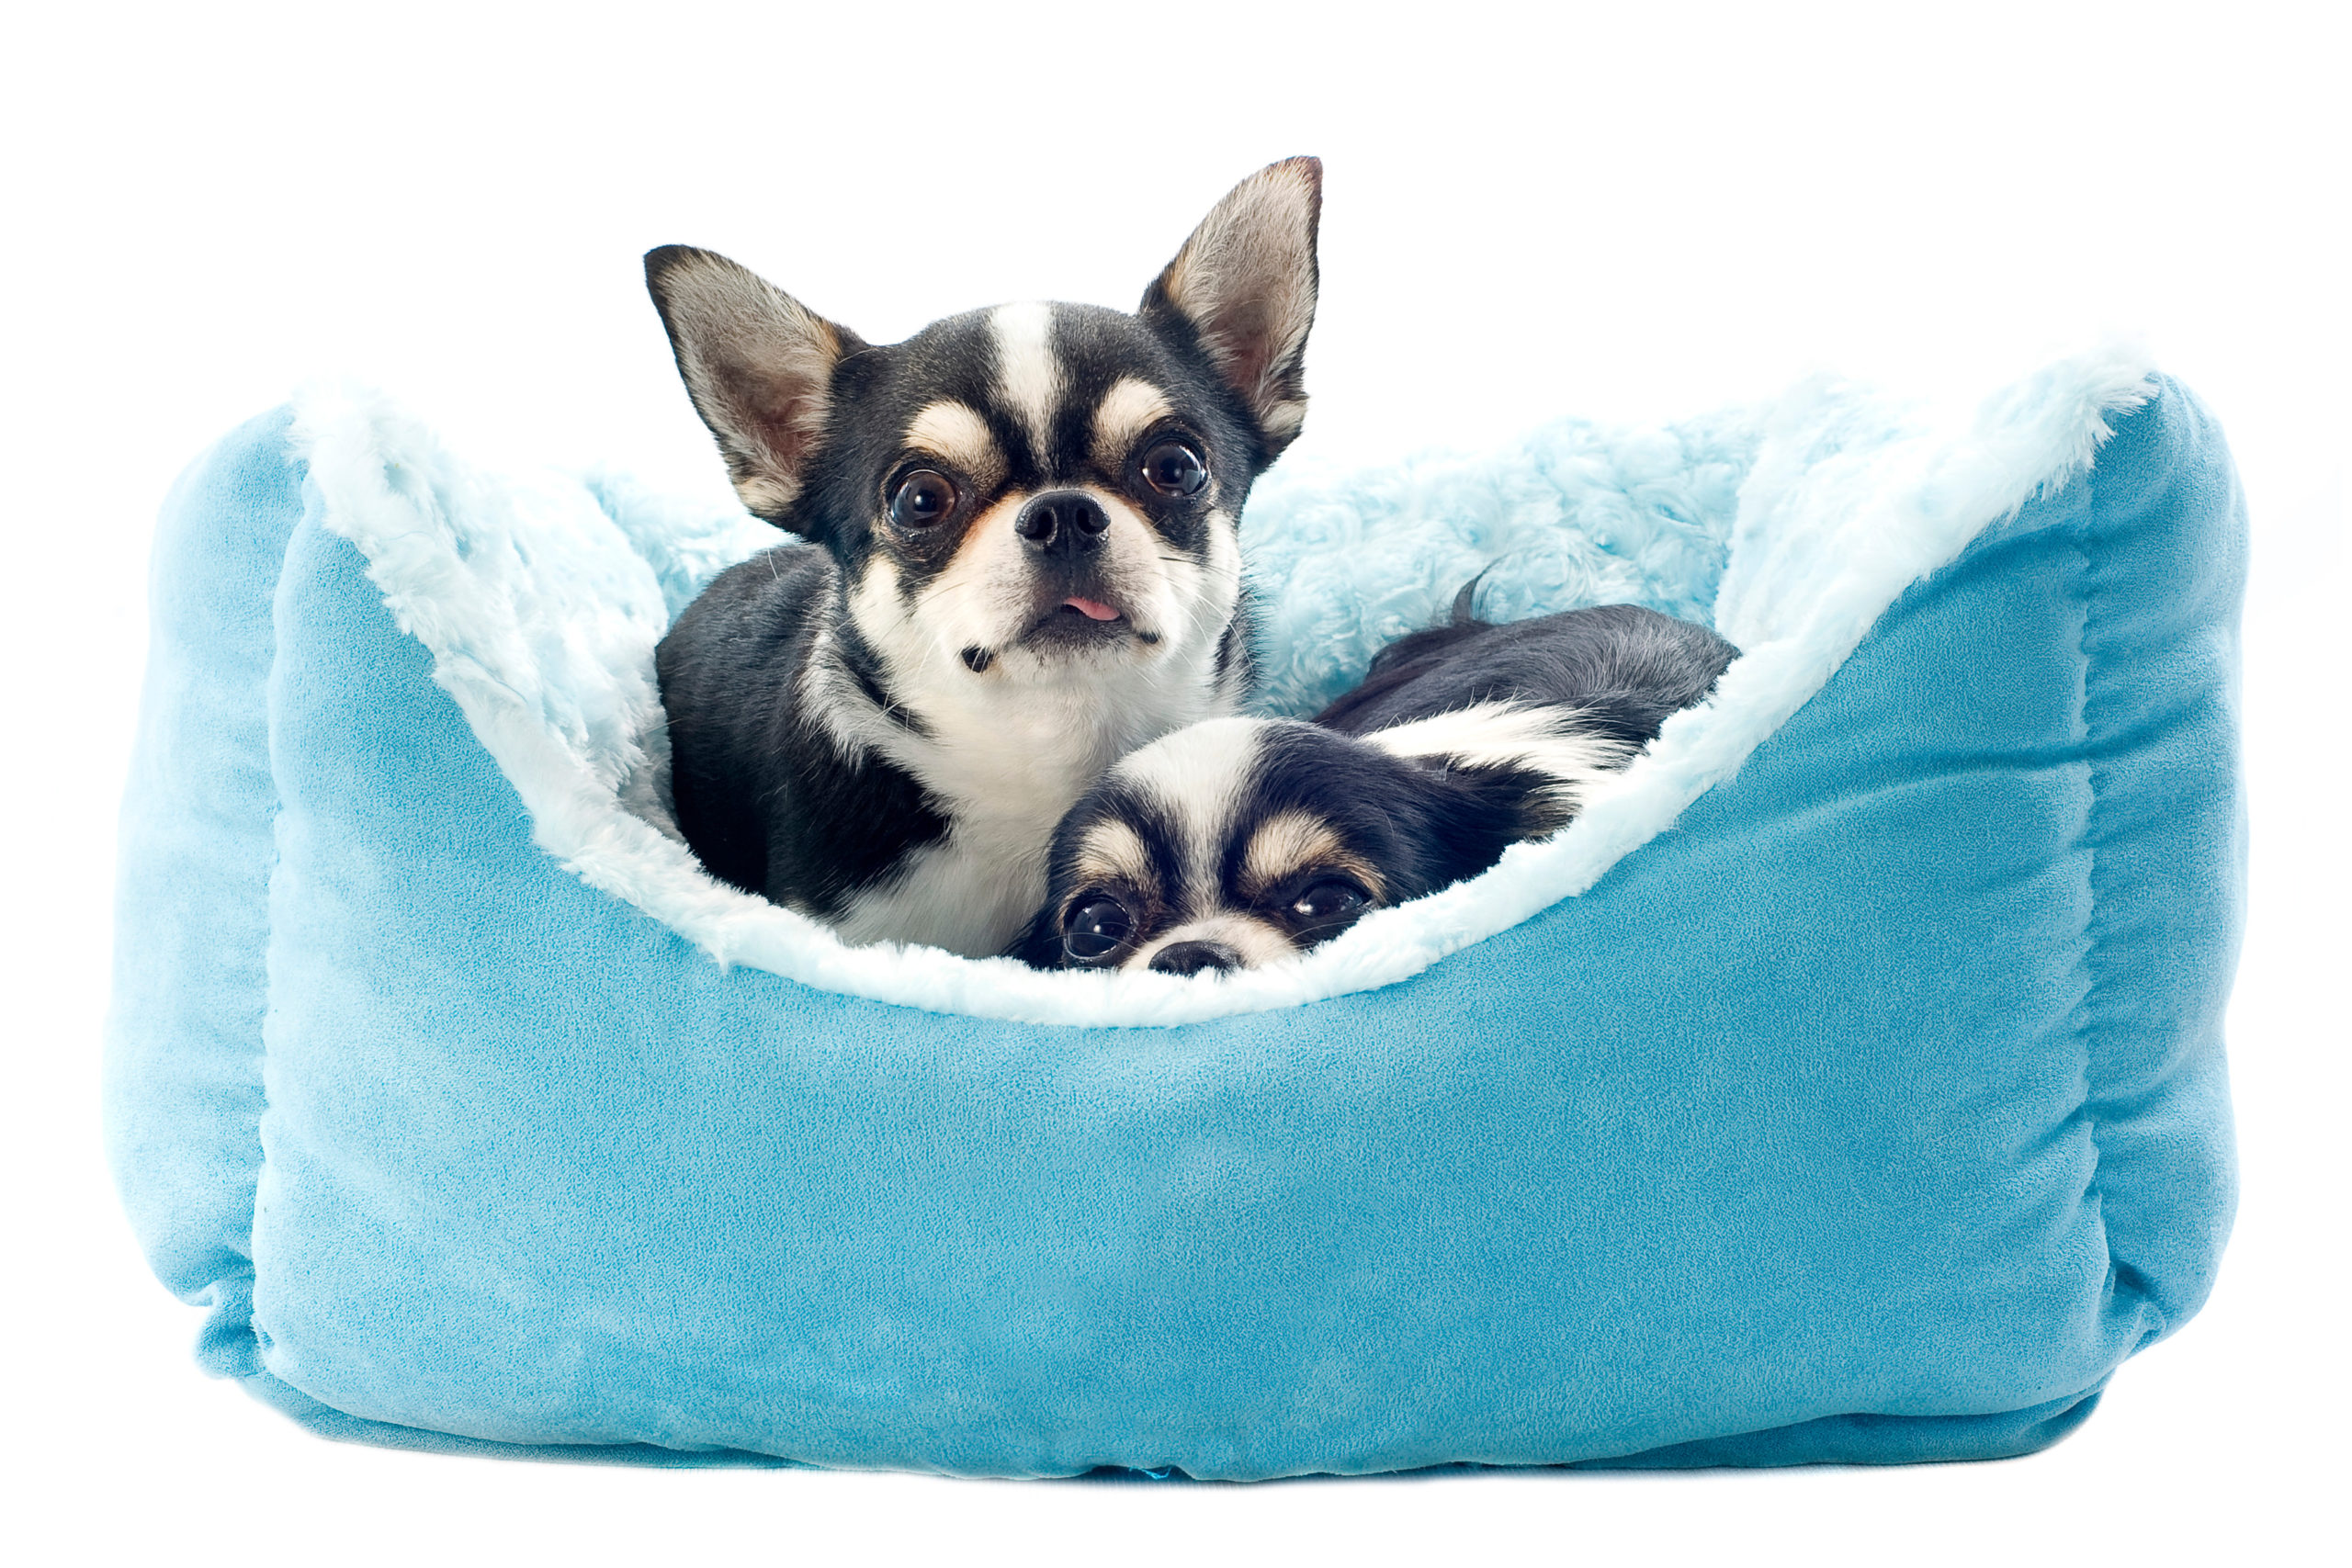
(1629, 212)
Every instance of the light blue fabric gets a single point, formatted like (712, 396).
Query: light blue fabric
(1571, 513)
(1875, 1113)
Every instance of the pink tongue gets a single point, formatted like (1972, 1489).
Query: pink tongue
(1092, 611)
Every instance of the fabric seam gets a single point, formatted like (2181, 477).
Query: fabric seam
(300, 469)
(2094, 964)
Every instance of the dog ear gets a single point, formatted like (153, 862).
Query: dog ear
(1245, 284)
(757, 363)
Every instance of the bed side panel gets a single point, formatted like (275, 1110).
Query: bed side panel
(183, 1091)
(2165, 550)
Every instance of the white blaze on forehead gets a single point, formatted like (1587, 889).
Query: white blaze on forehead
(1028, 375)
(1195, 777)
(956, 435)
(1128, 410)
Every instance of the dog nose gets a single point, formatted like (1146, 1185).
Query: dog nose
(1192, 957)
(1062, 522)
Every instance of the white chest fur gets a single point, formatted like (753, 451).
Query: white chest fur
(1007, 761)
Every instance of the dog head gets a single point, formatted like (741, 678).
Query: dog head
(1018, 494)
(1237, 842)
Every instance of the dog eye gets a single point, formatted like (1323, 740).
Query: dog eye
(1332, 898)
(1095, 929)
(1173, 469)
(924, 500)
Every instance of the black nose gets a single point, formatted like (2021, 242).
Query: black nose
(1062, 522)
(1192, 957)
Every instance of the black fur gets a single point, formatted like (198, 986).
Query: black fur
(1418, 823)
(767, 673)
(1424, 827)
(1627, 669)
(748, 763)
(733, 763)
(876, 391)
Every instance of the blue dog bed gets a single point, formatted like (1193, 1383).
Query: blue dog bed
(1845, 1086)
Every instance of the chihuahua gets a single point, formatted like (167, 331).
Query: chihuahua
(1017, 560)
(1239, 842)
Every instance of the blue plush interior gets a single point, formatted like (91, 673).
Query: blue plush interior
(1874, 1113)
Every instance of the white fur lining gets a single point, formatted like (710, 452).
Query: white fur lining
(541, 616)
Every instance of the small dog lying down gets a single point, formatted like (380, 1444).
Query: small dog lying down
(1237, 842)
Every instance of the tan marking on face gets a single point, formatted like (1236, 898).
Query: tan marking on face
(1293, 845)
(959, 438)
(1127, 411)
(1291, 842)
(1284, 844)
(1112, 851)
